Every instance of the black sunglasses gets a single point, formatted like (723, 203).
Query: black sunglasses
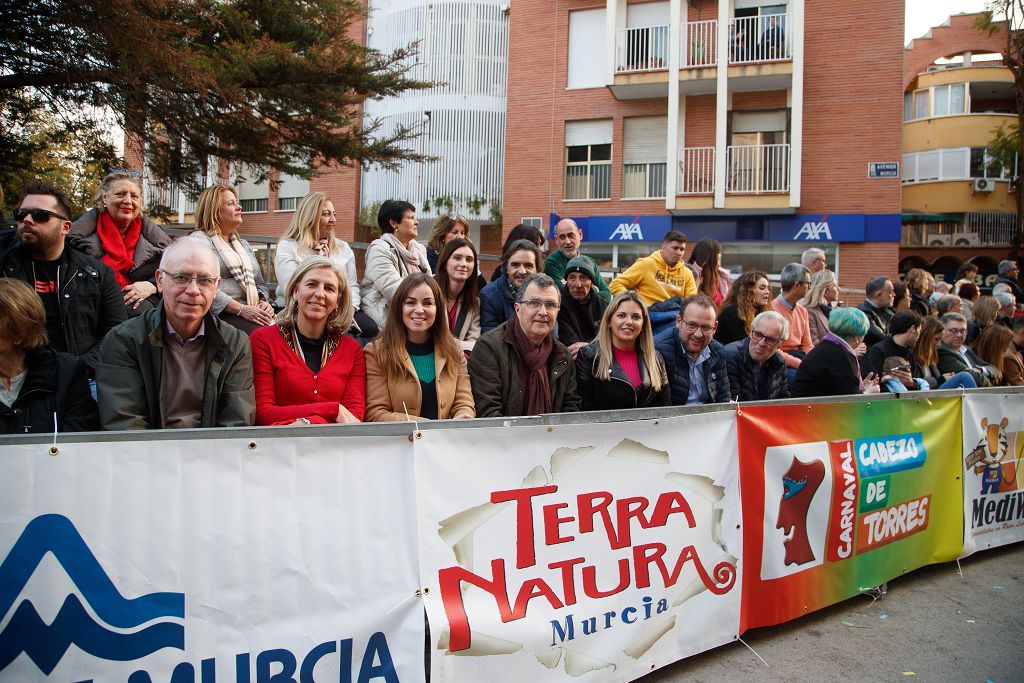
(38, 215)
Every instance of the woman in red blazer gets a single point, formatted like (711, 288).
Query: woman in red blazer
(306, 370)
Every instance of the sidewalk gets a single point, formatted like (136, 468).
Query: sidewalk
(932, 626)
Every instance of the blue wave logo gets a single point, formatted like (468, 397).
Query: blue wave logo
(46, 644)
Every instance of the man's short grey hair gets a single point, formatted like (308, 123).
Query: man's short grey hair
(948, 318)
(807, 258)
(183, 246)
(1005, 267)
(541, 280)
(946, 302)
(792, 275)
(1005, 299)
(775, 317)
(875, 285)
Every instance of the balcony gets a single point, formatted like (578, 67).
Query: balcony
(696, 171)
(757, 169)
(754, 40)
(700, 49)
(639, 50)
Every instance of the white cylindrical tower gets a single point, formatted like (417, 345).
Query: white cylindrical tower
(463, 47)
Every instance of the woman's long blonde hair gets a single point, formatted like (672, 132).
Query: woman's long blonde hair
(644, 342)
(340, 319)
(304, 227)
(820, 281)
(208, 206)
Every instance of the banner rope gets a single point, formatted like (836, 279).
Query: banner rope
(754, 651)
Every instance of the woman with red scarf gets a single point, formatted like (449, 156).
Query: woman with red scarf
(115, 232)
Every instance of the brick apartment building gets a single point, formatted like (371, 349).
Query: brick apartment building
(753, 122)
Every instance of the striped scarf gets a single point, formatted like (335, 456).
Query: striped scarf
(236, 257)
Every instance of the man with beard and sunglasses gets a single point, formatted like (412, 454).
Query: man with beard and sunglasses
(80, 294)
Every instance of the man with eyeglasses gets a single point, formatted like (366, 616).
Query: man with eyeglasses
(519, 368)
(795, 281)
(694, 361)
(177, 366)
(568, 237)
(80, 294)
(955, 356)
(756, 371)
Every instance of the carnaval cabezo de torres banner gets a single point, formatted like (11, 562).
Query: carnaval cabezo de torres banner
(597, 551)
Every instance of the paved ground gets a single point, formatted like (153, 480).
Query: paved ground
(931, 626)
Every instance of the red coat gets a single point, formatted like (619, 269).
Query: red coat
(286, 389)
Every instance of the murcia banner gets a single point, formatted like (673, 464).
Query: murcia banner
(839, 498)
(596, 552)
(265, 559)
(993, 481)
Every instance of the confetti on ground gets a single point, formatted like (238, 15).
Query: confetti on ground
(998, 588)
(884, 617)
(921, 591)
(852, 625)
(909, 673)
(971, 621)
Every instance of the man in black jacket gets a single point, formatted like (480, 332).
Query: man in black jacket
(582, 306)
(877, 307)
(904, 329)
(1008, 273)
(756, 371)
(79, 293)
(695, 362)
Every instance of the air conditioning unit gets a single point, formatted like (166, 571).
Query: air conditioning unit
(966, 239)
(984, 185)
(936, 240)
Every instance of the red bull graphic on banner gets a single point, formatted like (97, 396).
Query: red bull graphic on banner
(993, 453)
(867, 501)
(602, 549)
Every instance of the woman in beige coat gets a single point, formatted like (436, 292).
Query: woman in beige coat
(415, 370)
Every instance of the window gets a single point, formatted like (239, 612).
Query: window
(252, 194)
(946, 100)
(588, 159)
(644, 157)
(290, 190)
(586, 49)
(921, 104)
(908, 107)
(534, 222)
(958, 163)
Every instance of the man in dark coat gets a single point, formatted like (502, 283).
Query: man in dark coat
(498, 299)
(582, 306)
(756, 371)
(80, 294)
(877, 307)
(695, 362)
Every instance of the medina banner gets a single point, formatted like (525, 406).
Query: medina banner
(993, 482)
(263, 559)
(842, 497)
(601, 550)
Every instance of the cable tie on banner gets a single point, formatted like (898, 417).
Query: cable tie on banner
(959, 569)
(415, 426)
(414, 596)
(754, 651)
(53, 448)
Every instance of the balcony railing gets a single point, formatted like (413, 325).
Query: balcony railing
(643, 181)
(697, 171)
(763, 38)
(701, 46)
(757, 169)
(642, 49)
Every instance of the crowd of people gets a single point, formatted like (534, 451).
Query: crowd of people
(106, 322)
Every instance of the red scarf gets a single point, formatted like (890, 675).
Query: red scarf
(118, 251)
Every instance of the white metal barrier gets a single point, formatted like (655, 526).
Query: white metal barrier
(700, 47)
(697, 171)
(641, 49)
(763, 38)
(757, 169)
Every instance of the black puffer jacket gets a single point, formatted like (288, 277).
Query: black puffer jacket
(56, 383)
(617, 391)
(753, 381)
(91, 303)
(716, 376)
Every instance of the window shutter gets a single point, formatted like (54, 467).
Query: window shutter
(597, 132)
(644, 140)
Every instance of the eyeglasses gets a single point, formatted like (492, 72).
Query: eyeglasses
(758, 337)
(693, 327)
(956, 331)
(38, 215)
(535, 304)
(184, 279)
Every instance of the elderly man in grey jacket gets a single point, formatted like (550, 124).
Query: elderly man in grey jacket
(177, 366)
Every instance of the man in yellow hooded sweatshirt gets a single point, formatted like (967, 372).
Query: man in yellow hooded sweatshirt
(660, 276)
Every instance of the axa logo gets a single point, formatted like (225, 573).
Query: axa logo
(27, 632)
(628, 231)
(815, 230)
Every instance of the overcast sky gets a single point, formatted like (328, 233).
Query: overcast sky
(924, 14)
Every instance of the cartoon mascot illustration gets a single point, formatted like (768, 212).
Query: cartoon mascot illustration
(988, 457)
(799, 484)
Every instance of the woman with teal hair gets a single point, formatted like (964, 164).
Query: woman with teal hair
(831, 368)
